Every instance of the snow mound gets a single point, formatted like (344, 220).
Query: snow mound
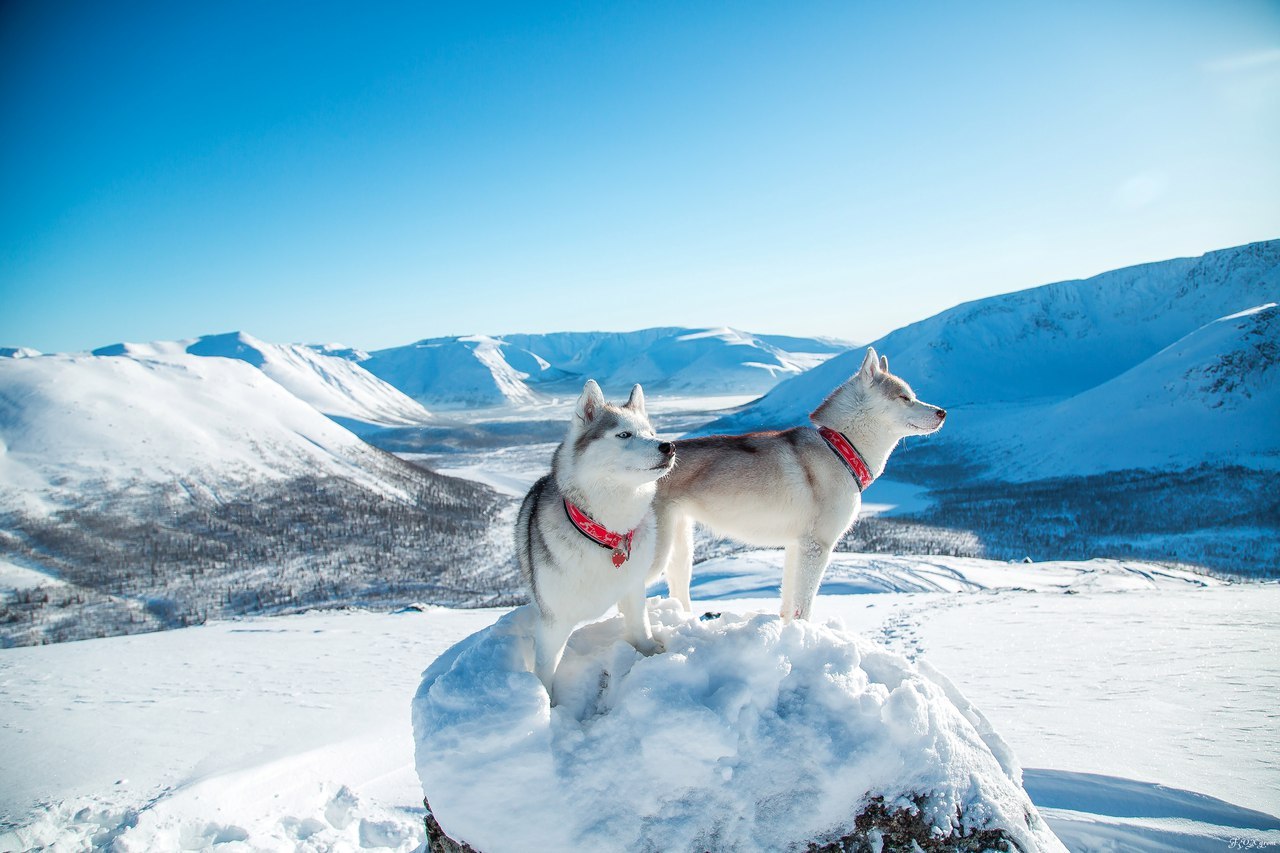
(745, 734)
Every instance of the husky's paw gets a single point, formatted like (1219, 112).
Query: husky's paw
(649, 647)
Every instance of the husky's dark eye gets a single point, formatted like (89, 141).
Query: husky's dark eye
(904, 397)
(624, 435)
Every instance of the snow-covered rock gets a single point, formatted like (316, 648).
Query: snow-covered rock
(328, 380)
(746, 734)
(18, 352)
(518, 369)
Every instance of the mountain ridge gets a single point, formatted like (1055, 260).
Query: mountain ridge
(524, 369)
(1002, 364)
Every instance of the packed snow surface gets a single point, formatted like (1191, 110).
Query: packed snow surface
(747, 734)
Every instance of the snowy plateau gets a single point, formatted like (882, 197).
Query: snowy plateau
(1053, 623)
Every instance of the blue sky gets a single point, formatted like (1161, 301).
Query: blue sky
(376, 173)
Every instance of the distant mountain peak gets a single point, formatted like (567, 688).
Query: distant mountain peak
(477, 371)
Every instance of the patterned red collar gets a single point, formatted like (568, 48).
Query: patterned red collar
(601, 535)
(849, 455)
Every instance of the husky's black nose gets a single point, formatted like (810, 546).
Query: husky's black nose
(666, 448)
(942, 414)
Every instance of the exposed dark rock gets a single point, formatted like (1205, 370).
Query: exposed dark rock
(437, 840)
(876, 830)
(881, 830)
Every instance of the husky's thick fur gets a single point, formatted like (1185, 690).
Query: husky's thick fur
(787, 488)
(606, 467)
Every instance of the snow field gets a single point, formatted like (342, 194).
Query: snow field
(1144, 708)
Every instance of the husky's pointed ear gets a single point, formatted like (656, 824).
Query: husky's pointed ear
(884, 363)
(590, 403)
(636, 401)
(870, 369)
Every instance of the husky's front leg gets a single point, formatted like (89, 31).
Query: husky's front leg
(549, 640)
(635, 618)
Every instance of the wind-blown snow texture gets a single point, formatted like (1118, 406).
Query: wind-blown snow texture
(1112, 368)
(514, 370)
(746, 734)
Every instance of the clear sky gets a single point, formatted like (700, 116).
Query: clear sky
(375, 173)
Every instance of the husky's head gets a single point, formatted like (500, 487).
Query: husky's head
(874, 401)
(614, 444)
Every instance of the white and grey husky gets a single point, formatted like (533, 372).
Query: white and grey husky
(585, 535)
(799, 488)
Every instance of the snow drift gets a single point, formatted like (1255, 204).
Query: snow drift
(745, 734)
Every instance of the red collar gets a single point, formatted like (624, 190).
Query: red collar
(599, 534)
(849, 455)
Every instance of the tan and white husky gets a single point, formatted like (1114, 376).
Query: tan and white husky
(585, 535)
(799, 488)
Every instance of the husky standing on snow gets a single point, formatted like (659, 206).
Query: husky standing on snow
(799, 488)
(585, 534)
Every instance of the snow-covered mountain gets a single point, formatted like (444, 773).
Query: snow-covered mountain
(1076, 377)
(18, 352)
(515, 370)
(1212, 396)
(323, 377)
(170, 488)
(75, 425)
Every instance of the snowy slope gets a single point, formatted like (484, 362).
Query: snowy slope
(518, 370)
(1213, 396)
(75, 426)
(331, 383)
(476, 370)
(1086, 376)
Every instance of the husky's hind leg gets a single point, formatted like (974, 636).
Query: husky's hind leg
(548, 647)
(806, 568)
(790, 565)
